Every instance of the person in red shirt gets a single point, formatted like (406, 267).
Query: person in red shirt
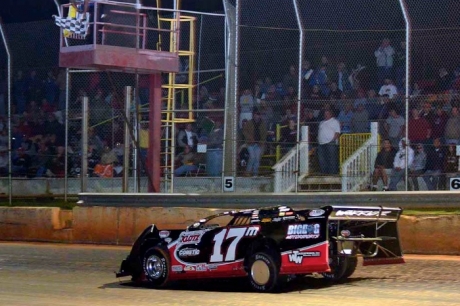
(419, 128)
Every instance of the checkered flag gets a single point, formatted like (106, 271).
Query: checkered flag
(78, 26)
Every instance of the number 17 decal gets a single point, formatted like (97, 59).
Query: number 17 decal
(238, 234)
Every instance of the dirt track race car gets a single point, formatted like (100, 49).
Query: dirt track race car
(267, 246)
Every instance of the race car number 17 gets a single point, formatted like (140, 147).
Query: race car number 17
(225, 234)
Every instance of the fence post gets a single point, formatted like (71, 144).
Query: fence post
(126, 140)
(84, 146)
(304, 153)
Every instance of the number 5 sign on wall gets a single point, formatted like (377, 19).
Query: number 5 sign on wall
(229, 183)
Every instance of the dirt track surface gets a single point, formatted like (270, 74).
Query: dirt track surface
(57, 274)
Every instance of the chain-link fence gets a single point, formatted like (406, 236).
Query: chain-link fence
(352, 68)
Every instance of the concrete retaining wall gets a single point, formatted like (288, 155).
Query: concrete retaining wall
(122, 225)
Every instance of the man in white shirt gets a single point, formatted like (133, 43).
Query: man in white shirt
(399, 163)
(328, 135)
(384, 55)
(388, 89)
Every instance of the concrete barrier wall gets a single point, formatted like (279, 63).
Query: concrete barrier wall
(122, 225)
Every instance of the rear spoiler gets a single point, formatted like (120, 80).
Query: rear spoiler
(368, 213)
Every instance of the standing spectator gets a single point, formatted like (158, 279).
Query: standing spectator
(33, 87)
(434, 165)
(345, 118)
(255, 134)
(50, 88)
(341, 77)
(61, 85)
(443, 81)
(187, 137)
(246, 105)
(399, 164)
(388, 88)
(417, 168)
(400, 64)
(290, 79)
(214, 152)
(308, 118)
(383, 165)
(395, 127)
(384, 55)
(452, 128)
(427, 111)
(438, 123)
(419, 128)
(360, 121)
(450, 165)
(328, 135)
(288, 136)
(20, 163)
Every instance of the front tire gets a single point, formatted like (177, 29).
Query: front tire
(263, 272)
(156, 266)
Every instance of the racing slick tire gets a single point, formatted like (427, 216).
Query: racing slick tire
(263, 272)
(341, 268)
(156, 266)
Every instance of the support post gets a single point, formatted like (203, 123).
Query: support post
(84, 146)
(126, 138)
(154, 151)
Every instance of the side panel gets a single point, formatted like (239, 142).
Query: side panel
(305, 260)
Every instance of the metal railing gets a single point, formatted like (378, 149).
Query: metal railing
(286, 173)
(357, 169)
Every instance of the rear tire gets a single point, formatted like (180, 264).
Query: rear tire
(156, 266)
(263, 272)
(341, 268)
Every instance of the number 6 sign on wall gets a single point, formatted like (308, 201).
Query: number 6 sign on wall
(454, 183)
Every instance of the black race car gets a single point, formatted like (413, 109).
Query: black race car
(267, 245)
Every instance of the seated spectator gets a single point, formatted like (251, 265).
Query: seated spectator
(450, 166)
(4, 161)
(388, 88)
(187, 162)
(56, 165)
(187, 137)
(41, 161)
(434, 165)
(107, 162)
(443, 81)
(246, 105)
(417, 168)
(334, 91)
(399, 164)
(21, 162)
(383, 165)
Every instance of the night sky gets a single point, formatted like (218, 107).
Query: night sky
(33, 10)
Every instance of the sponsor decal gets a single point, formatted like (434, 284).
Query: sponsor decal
(266, 220)
(189, 268)
(193, 237)
(303, 231)
(177, 268)
(316, 213)
(201, 267)
(345, 233)
(282, 214)
(168, 240)
(212, 267)
(255, 221)
(289, 218)
(362, 213)
(187, 252)
(278, 219)
(164, 234)
(297, 256)
(202, 220)
(252, 231)
(284, 208)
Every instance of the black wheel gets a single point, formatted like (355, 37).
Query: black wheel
(341, 268)
(155, 264)
(351, 267)
(263, 272)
